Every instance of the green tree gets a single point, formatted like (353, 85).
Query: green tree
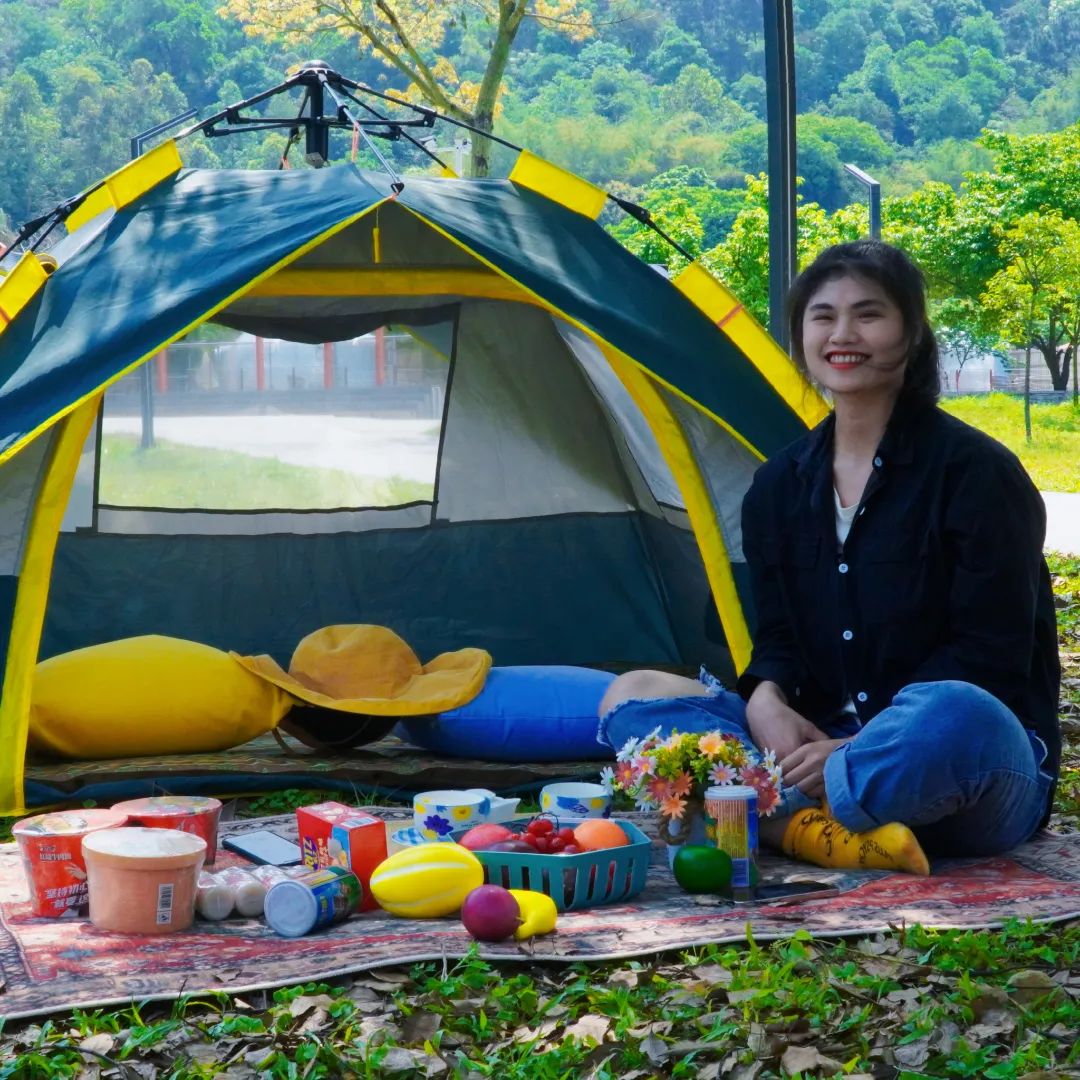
(29, 180)
(741, 261)
(407, 34)
(1036, 295)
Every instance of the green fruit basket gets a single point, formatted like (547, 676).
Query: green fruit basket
(587, 879)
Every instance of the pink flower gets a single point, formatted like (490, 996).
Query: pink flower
(722, 774)
(768, 798)
(624, 774)
(658, 788)
(644, 764)
(755, 776)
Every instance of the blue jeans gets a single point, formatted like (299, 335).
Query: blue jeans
(946, 758)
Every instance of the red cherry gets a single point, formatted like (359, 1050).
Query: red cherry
(570, 849)
(541, 826)
(567, 834)
(556, 844)
(529, 839)
(543, 844)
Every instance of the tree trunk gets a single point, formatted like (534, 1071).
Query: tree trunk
(1076, 390)
(1059, 372)
(510, 16)
(1027, 394)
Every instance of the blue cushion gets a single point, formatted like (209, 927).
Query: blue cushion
(536, 713)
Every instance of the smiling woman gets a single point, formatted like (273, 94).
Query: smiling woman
(904, 669)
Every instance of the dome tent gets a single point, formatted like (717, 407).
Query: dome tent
(599, 427)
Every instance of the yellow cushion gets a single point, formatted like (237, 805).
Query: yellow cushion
(148, 695)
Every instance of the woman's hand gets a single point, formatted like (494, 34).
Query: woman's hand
(804, 767)
(776, 726)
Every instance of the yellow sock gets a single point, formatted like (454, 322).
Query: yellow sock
(816, 837)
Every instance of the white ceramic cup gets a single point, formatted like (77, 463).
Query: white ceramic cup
(436, 814)
(574, 799)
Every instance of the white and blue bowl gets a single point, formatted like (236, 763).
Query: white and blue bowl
(575, 799)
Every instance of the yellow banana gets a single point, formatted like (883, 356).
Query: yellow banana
(538, 913)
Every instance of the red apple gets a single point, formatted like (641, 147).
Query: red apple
(490, 913)
(481, 837)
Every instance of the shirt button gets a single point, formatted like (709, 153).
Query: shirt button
(861, 696)
(877, 463)
(842, 568)
(798, 691)
(848, 635)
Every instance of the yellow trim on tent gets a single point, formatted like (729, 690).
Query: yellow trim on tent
(720, 305)
(541, 302)
(47, 514)
(124, 186)
(20, 286)
(16, 446)
(679, 455)
(384, 281)
(557, 184)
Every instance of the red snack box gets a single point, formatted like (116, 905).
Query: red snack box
(333, 834)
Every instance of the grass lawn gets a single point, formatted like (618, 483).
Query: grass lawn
(1052, 459)
(176, 476)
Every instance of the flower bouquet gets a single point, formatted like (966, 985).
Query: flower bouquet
(671, 773)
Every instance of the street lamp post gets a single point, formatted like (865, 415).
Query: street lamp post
(780, 108)
(146, 386)
(875, 197)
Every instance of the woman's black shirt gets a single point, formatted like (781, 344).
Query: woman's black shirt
(942, 575)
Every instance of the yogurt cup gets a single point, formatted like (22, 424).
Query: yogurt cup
(51, 849)
(143, 881)
(196, 814)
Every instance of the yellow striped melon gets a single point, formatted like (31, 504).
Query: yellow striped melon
(426, 881)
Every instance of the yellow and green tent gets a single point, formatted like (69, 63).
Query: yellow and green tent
(597, 426)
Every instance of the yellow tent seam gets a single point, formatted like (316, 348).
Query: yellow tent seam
(20, 286)
(720, 306)
(128, 183)
(558, 185)
(684, 466)
(592, 334)
(383, 281)
(18, 445)
(31, 595)
(680, 459)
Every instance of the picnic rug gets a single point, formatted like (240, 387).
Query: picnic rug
(54, 965)
(388, 767)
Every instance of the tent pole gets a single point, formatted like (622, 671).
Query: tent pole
(780, 108)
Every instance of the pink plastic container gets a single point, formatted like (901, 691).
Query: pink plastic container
(51, 848)
(143, 881)
(195, 814)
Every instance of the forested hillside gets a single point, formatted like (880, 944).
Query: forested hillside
(902, 87)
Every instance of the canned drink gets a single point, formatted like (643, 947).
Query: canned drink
(312, 901)
(731, 816)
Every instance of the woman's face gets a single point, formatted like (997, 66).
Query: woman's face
(854, 340)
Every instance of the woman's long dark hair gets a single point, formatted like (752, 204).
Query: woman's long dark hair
(903, 283)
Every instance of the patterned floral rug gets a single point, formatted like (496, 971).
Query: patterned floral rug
(54, 965)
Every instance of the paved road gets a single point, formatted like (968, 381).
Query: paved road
(408, 448)
(1062, 522)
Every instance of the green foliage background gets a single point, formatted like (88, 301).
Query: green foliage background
(670, 87)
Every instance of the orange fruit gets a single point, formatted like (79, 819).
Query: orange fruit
(594, 834)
